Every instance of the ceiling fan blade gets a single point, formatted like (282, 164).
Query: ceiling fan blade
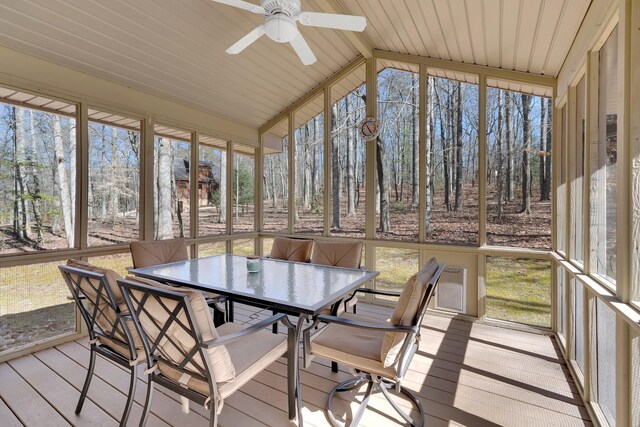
(243, 5)
(331, 20)
(244, 42)
(303, 50)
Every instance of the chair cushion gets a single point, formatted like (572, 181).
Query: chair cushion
(107, 316)
(355, 347)
(251, 356)
(223, 368)
(291, 249)
(156, 252)
(406, 310)
(338, 254)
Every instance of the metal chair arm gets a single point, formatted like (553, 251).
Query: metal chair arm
(365, 325)
(241, 334)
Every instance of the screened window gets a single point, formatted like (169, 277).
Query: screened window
(243, 189)
(604, 154)
(275, 203)
(397, 168)
(396, 266)
(172, 183)
(347, 153)
(561, 193)
(114, 179)
(561, 278)
(37, 173)
(519, 290)
(309, 167)
(519, 169)
(577, 313)
(605, 358)
(451, 161)
(33, 305)
(577, 174)
(212, 186)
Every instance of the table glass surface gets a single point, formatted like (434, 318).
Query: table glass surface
(302, 286)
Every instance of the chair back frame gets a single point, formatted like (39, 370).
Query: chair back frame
(96, 317)
(411, 341)
(136, 295)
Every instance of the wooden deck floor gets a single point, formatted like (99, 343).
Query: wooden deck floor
(464, 374)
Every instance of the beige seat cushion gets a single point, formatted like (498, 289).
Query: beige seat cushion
(250, 356)
(406, 310)
(156, 252)
(337, 254)
(106, 317)
(223, 368)
(291, 249)
(356, 347)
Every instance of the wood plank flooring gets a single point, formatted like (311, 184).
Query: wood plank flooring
(464, 374)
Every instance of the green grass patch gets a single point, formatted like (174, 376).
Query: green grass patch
(519, 290)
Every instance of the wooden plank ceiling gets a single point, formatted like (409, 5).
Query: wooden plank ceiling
(175, 48)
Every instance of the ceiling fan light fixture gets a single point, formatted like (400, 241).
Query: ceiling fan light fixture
(281, 28)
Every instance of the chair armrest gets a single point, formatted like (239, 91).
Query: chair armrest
(80, 297)
(369, 291)
(365, 325)
(243, 333)
(377, 292)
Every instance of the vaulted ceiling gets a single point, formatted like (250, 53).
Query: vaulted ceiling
(176, 48)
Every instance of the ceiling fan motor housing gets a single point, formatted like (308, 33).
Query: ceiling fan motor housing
(290, 8)
(281, 15)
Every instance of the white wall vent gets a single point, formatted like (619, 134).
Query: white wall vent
(451, 294)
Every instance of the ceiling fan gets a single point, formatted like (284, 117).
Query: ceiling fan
(281, 17)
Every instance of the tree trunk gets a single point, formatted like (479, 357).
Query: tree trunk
(63, 182)
(509, 175)
(222, 208)
(383, 187)
(526, 135)
(458, 199)
(163, 188)
(428, 159)
(500, 177)
(36, 195)
(445, 157)
(415, 166)
(351, 160)
(114, 194)
(20, 221)
(545, 193)
(335, 170)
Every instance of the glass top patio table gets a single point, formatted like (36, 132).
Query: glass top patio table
(293, 287)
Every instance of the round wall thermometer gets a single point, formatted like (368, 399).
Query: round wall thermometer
(369, 128)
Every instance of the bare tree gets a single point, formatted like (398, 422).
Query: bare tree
(335, 169)
(526, 167)
(163, 189)
(63, 181)
(500, 174)
(458, 113)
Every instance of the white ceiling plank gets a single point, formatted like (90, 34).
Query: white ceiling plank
(510, 30)
(528, 29)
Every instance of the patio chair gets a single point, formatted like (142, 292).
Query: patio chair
(111, 331)
(148, 253)
(298, 250)
(187, 353)
(379, 351)
(338, 254)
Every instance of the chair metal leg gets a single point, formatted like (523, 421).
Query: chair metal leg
(213, 415)
(274, 328)
(87, 380)
(132, 391)
(147, 402)
(383, 385)
(229, 310)
(334, 366)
